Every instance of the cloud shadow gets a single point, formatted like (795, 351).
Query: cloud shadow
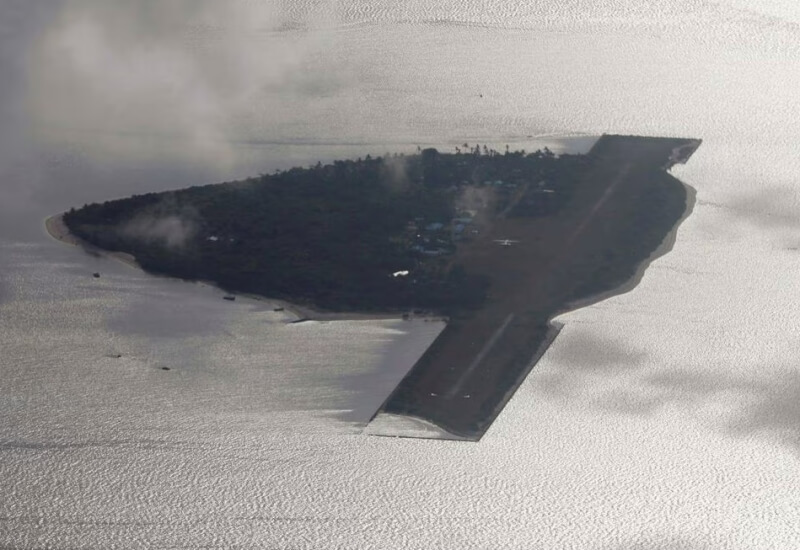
(764, 404)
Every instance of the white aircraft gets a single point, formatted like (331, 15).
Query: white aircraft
(505, 242)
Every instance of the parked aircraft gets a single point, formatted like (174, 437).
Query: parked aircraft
(505, 242)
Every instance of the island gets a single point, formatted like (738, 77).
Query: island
(496, 242)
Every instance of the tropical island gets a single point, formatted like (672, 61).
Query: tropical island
(339, 236)
(498, 242)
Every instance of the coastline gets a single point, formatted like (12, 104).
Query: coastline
(680, 155)
(554, 327)
(384, 424)
(507, 365)
(512, 361)
(305, 312)
(58, 230)
(663, 249)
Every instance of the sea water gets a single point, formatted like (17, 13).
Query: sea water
(664, 418)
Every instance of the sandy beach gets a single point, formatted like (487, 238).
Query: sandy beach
(59, 231)
(311, 313)
(664, 248)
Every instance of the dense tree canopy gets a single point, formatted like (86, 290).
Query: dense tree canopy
(330, 234)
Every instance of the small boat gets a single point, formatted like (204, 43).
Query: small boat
(278, 309)
(229, 298)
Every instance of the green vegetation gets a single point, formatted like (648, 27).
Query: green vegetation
(333, 235)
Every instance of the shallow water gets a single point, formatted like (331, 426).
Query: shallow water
(664, 418)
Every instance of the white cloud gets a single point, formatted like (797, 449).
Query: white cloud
(189, 71)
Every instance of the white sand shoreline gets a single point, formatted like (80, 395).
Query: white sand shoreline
(664, 248)
(58, 230)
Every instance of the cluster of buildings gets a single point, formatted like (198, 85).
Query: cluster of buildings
(438, 238)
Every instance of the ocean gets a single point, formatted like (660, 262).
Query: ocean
(664, 418)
